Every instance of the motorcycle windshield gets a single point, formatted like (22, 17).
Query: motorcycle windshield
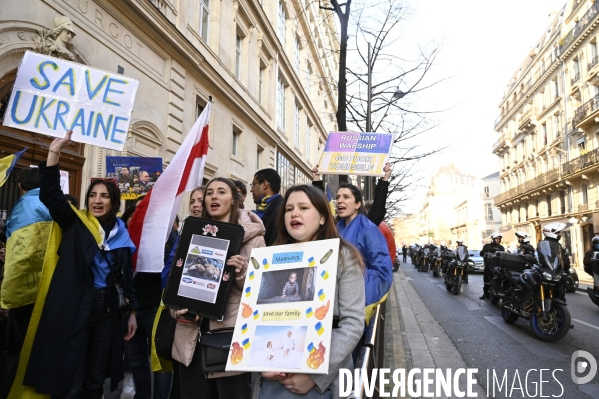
(549, 254)
(439, 252)
(426, 252)
(462, 253)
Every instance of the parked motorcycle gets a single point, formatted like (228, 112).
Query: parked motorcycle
(536, 296)
(396, 263)
(437, 262)
(571, 280)
(594, 270)
(423, 266)
(454, 274)
(506, 269)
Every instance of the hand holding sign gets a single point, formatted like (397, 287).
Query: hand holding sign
(56, 146)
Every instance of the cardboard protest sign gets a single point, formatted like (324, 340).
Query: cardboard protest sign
(51, 96)
(285, 317)
(134, 175)
(356, 153)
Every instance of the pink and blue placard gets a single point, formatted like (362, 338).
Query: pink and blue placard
(353, 153)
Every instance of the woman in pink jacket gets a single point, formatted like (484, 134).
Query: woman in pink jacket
(221, 202)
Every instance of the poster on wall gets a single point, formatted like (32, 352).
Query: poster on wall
(352, 153)
(51, 96)
(285, 316)
(134, 175)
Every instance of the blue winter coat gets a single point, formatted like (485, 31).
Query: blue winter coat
(369, 240)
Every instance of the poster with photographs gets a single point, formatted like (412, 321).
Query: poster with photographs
(203, 268)
(286, 313)
(134, 175)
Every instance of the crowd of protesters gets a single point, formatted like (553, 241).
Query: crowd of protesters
(64, 327)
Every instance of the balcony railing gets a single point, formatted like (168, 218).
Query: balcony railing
(580, 26)
(593, 62)
(528, 115)
(582, 162)
(585, 110)
(575, 79)
(583, 207)
(532, 184)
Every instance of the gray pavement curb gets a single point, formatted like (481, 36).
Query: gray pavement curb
(426, 343)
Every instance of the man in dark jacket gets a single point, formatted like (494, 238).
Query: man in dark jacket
(524, 240)
(592, 267)
(404, 251)
(491, 248)
(265, 191)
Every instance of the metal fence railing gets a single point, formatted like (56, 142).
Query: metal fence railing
(372, 353)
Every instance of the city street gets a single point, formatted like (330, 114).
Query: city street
(473, 332)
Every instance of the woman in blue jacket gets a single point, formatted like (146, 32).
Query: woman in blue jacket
(355, 227)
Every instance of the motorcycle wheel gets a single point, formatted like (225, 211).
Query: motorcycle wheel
(493, 299)
(508, 316)
(555, 328)
(448, 287)
(458, 284)
(425, 267)
(396, 267)
(436, 271)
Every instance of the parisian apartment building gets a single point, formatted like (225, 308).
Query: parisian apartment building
(547, 132)
(268, 65)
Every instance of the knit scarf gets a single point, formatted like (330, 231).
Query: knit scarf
(264, 204)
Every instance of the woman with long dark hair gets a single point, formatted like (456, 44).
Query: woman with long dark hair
(306, 216)
(221, 203)
(354, 226)
(79, 339)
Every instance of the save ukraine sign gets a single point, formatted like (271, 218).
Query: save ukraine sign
(51, 96)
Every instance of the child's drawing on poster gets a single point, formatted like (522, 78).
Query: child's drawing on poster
(286, 314)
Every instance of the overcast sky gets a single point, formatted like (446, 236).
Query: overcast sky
(485, 43)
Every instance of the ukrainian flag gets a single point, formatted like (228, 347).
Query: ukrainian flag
(27, 230)
(256, 315)
(251, 275)
(311, 348)
(309, 312)
(246, 343)
(321, 294)
(7, 164)
(18, 390)
(319, 328)
(244, 328)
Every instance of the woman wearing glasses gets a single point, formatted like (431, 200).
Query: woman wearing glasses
(79, 338)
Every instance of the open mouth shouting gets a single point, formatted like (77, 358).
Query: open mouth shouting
(214, 206)
(296, 224)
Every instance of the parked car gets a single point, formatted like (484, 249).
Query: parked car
(477, 264)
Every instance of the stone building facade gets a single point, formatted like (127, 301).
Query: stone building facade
(547, 145)
(458, 204)
(267, 65)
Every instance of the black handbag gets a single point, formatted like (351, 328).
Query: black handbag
(119, 277)
(214, 347)
(165, 335)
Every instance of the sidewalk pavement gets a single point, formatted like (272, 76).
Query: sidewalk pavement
(413, 337)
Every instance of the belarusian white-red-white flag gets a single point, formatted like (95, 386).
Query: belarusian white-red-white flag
(154, 217)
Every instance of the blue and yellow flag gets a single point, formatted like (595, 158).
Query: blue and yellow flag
(18, 390)
(7, 164)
